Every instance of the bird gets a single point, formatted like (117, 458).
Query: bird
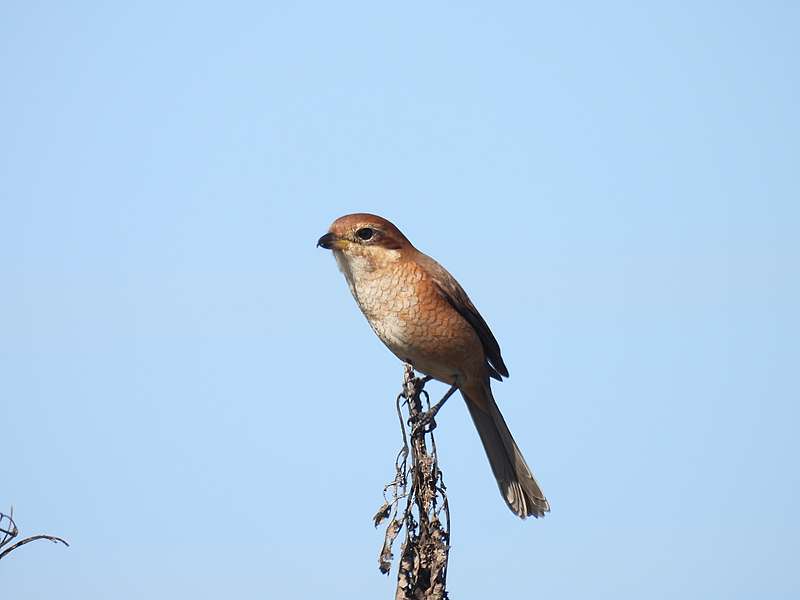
(425, 318)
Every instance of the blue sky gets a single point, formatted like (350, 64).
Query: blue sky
(190, 396)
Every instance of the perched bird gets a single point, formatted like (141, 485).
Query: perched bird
(421, 313)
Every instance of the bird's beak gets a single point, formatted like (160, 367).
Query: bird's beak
(329, 241)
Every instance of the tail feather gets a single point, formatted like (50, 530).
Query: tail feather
(514, 478)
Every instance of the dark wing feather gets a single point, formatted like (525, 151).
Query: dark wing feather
(458, 299)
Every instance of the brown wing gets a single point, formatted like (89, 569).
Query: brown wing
(458, 299)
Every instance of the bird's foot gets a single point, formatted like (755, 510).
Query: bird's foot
(423, 422)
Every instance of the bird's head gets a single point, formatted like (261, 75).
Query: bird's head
(364, 241)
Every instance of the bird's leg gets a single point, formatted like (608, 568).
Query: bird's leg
(435, 408)
(427, 418)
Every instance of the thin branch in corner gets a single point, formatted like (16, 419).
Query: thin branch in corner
(422, 569)
(9, 532)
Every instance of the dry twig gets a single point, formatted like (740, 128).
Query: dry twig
(422, 571)
(9, 531)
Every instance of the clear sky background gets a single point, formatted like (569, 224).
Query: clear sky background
(190, 396)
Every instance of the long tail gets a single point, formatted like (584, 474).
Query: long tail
(514, 478)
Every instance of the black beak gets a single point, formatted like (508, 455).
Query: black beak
(326, 241)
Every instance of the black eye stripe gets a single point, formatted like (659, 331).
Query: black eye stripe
(365, 233)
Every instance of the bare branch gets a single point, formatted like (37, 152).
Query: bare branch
(9, 531)
(422, 569)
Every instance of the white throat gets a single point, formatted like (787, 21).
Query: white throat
(359, 269)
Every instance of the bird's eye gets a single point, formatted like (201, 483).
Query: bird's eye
(365, 233)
